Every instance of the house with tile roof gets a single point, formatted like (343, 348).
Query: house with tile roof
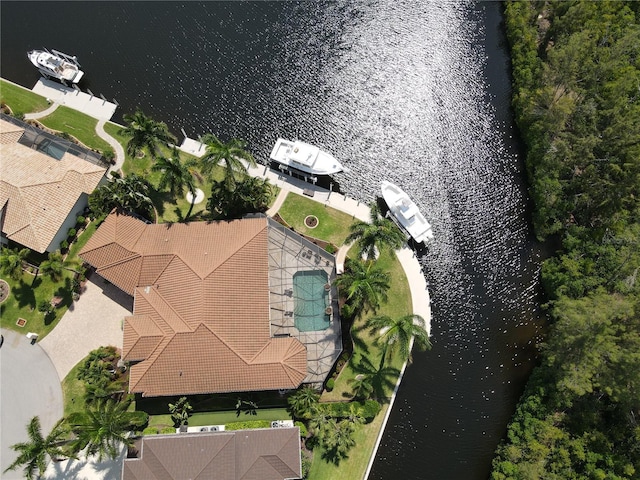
(41, 192)
(215, 304)
(260, 454)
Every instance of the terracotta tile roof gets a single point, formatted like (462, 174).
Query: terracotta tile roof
(201, 306)
(38, 192)
(261, 454)
(9, 133)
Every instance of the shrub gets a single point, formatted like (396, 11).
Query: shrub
(71, 233)
(331, 383)
(64, 245)
(248, 424)
(80, 220)
(331, 248)
(367, 409)
(168, 430)
(109, 155)
(303, 429)
(44, 306)
(138, 419)
(151, 431)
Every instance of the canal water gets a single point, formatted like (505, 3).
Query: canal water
(415, 92)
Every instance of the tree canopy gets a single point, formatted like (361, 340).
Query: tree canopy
(576, 74)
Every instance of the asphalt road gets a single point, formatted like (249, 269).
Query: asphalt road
(29, 386)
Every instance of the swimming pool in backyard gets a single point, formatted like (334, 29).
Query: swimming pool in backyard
(312, 301)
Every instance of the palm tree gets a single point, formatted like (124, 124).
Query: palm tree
(11, 261)
(34, 452)
(126, 193)
(232, 152)
(376, 234)
(396, 334)
(103, 428)
(144, 132)
(338, 440)
(233, 201)
(303, 401)
(177, 175)
(318, 423)
(54, 266)
(364, 284)
(362, 386)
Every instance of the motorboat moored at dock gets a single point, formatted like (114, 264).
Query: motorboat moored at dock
(406, 213)
(304, 157)
(55, 64)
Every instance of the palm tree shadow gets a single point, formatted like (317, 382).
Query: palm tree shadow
(357, 341)
(383, 377)
(159, 200)
(25, 294)
(333, 456)
(178, 213)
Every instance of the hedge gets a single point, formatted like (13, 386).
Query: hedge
(367, 409)
(248, 424)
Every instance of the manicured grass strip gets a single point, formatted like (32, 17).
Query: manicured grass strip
(333, 225)
(81, 126)
(221, 418)
(21, 100)
(355, 465)
(73, 391)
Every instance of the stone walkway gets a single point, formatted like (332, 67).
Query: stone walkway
(117, 148)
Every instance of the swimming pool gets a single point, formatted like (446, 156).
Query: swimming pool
(311, 300)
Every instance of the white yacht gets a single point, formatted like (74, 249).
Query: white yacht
(406, 213)
(56, 65)
(304, 157)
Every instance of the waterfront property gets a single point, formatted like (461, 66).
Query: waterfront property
(214, 304)
(265, 454)
(44, 185)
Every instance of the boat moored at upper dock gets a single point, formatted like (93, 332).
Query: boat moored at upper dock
(406, 213)
(304, 157)
(55, 64)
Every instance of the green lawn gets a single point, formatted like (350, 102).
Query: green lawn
(21, 100)
(23, 301)
(333, 225)
(398, 304)
(73, 391)
(28, 291)
(73, 122)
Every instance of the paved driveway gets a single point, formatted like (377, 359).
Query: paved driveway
(93, 321)
(29, 386)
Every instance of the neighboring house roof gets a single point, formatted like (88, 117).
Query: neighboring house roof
(201, 318)
(261, 454)
(38, 192)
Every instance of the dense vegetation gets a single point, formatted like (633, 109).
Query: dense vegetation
(576, 69)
